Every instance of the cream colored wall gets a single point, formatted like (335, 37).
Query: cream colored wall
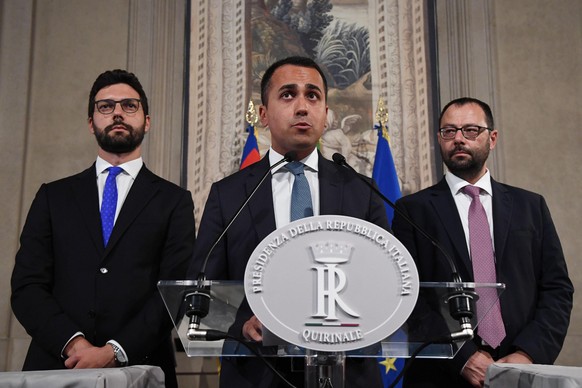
(525, 59)
(540, 89)
(49, 58)
(50, 54)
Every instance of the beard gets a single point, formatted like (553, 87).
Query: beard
(120, 143)
(469, 167)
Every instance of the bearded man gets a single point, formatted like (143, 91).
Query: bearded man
(95, 244)
(495, 233)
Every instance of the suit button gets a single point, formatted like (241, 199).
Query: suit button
(92, 314)
(103, 270)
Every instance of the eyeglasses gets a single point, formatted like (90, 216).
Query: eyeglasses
(129, 105)
(470, 132)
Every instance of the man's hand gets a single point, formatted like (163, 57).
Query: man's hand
(253, 329)
(76, 344)
(475, 368)
(519, 357)
(81, 354)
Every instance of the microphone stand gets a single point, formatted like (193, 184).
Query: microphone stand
(461, 302)
(198, 300)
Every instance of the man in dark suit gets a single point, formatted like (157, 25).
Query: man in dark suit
(294, 94)
(87, 297)
(535, 307)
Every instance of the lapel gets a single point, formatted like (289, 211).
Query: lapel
(502, 209)
(144, 188)
(444, 205)
(330, 187)
(87, 198)
(261, 205)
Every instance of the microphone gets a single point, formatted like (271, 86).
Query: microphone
(461, 302)
(198, 300)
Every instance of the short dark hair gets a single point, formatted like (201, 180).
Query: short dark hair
(295, 61)
(117, 76)
(469, 100)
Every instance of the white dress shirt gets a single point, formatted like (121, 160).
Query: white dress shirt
(463, 201)
(124, 180)
(282, 184)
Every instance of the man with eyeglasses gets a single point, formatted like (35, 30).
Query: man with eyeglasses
(495, 233)
(95, 244)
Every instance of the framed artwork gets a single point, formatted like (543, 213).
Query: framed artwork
(368, 49)
(337, 37)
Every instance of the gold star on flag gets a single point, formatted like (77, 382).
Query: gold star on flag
(388, 364)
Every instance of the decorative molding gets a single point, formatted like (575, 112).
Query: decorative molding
(400, 77)
(217, 94)
(198, 137)
(423, 95)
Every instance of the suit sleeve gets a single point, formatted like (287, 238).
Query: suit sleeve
(543, 336)
(138, 336)
(33, 281)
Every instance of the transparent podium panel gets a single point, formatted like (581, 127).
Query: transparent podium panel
(430, 323)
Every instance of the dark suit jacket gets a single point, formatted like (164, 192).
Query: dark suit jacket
(65, 281)
(537, 302)
(340, 192)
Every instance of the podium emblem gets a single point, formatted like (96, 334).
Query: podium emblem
(331, 279)
(331, 283)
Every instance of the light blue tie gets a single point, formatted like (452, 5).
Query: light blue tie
(301, 205)
(109, 203)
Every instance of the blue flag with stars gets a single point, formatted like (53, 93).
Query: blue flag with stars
(384, 173)
(390, 367)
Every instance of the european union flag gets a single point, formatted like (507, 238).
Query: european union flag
(251, 150)
(384, 172)
(390, 367)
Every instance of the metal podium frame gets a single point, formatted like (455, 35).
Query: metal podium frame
(430, 319)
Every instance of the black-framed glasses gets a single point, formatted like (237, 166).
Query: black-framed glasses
(129, 105)
(470, 131)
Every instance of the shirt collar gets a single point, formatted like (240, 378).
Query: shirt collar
(132, 167)
(456, 184)
(311, 161)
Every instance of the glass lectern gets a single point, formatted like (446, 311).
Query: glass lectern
(431, 319)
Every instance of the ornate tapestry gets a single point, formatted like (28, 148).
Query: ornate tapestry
(368, 49)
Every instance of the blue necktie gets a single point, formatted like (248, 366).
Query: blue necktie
(301, 205)
(109, 203)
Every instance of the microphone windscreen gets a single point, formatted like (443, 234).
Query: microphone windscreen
(339, 158)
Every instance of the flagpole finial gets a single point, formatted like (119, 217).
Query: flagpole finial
(382, 117)
(251, 115)
(382, 113)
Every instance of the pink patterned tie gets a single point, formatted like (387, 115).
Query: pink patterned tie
(491, 328)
